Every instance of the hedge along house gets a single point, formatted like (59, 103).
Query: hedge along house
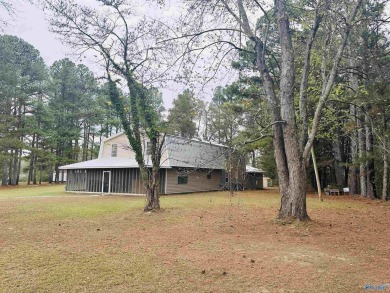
(186, 166)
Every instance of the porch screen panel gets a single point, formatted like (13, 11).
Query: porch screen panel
(92, 185)
(97, 180)
(69, 181)
(113, 181)
(128, 182)
(89, 180)
(121, 181)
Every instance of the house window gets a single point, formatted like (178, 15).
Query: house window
(114, 150)
(148, 148)
(209, 176)
(182, 179)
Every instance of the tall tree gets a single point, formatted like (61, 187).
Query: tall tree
(121, 39)
(181, 118)
(72, 100)
(291, 143)
(22, 73)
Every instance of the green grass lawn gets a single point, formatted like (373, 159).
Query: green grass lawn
(33, 190)
(52, 241)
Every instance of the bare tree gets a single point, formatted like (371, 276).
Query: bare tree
(8, 7)
(121, 40)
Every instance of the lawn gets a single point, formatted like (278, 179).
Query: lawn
(52, 241)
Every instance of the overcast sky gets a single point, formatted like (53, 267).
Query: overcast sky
(30, 24)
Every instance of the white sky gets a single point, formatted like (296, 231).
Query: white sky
(30, 24)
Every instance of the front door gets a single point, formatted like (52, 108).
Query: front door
(106, 182)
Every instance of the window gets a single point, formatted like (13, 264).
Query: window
(148, 148)
(114, 150)
(182, 179)
(209, 176)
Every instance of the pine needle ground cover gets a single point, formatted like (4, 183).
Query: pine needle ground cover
(52, 241)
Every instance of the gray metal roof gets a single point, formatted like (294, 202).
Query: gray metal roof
(104, 163)
(191, 153)
(250, 169)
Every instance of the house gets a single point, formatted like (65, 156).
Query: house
(253, 178)
(186, 166)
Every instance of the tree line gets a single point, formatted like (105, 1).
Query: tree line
(49, 116)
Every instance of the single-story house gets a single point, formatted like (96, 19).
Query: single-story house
(253, 178)
(186, 166)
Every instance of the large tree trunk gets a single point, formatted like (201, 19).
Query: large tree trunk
(152, 192)
(294, 205)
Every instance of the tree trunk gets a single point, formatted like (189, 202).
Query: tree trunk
(57, 179)
(338, 168)
(10, 170)
(385, 187)
(35, 169)
(152, 192)
(40, 173)
(30, 168)
(4, 180)
(50, 179)
(294, 205)
(355, 141)
(370, 160)
(15, 164)
(19, 166)
(362, 154)
(353, 169)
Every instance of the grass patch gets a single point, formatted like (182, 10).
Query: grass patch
(33, 191)
(81, 208)
(52, 241)
(59, 270)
